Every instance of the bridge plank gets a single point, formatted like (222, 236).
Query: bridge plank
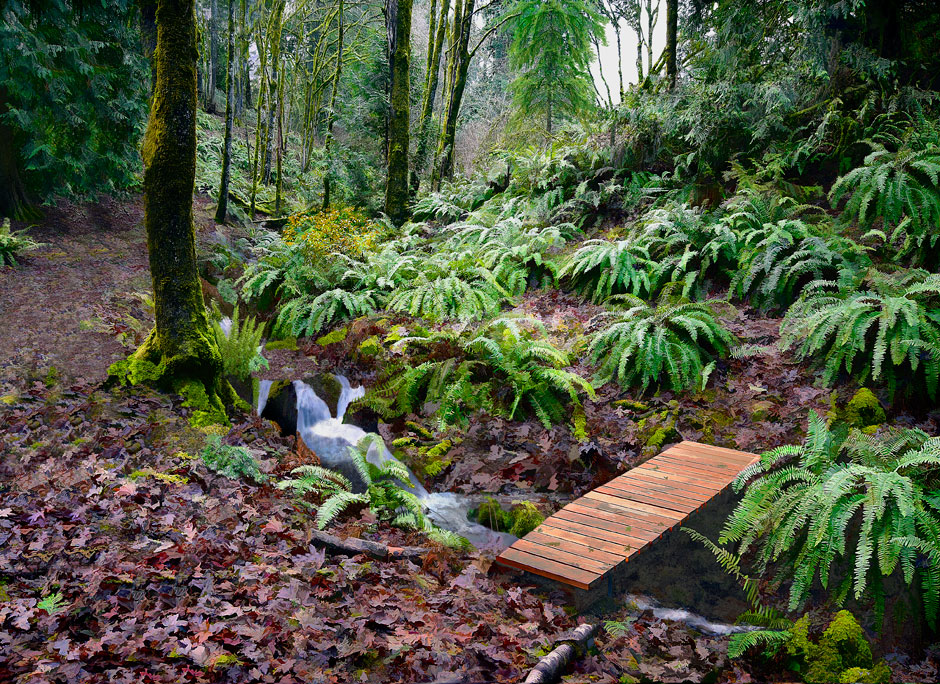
(591, 536)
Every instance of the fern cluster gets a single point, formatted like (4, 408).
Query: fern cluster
(240, 346)
(14, 244)
(881, 328)
(385, 494)
(846, 511)
(507, 368)
(672, 346)
(233, 462)
(898, 184)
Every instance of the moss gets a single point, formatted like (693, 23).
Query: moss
(842, 653)
(632, 405)
(525, 518)
(402, 442)
(218, 430)
(418, 430)
(863, 410)
(8, 399)
(290, 344)
(371, 347)
(169, 478)
(333, 337)
(491, 514)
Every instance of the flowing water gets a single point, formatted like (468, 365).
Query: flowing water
(264, 390)
(330, 438)
(694, 621)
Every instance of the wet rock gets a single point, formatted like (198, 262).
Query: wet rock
(282, 399)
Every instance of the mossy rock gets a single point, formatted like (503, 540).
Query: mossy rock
(525, 518)
(863, 410)
(491, 514)
(333, 337)
(289, 344)
(632, 405)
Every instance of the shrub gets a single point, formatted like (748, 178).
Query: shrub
(449, 297)
(233, 462)
(667, 345)
(338, 230)
(848, 510)
(883, 328)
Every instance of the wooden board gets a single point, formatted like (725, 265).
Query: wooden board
(591, 536)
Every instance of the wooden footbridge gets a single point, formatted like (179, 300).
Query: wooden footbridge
(581, 545)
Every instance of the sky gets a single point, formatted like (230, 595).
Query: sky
(608, 60)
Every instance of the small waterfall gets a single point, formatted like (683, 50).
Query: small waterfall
(330, 438)
(226, 325)
(264, 390)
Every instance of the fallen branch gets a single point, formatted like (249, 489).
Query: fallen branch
(550, 667)
(353, 547)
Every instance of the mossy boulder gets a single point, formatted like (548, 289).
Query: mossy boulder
(863, 410)
(525, 518)
(842, 653)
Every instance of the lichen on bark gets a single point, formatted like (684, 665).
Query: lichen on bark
(179, 354)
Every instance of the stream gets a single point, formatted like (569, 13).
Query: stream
(329, 438)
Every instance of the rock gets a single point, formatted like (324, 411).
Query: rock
(760, 410)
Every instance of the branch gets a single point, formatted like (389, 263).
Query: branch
(549, 668)
(490, 31)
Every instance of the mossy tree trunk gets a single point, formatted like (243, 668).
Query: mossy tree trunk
(180, 353)
(436, 36)
(672, 28)
(221, 213)
(398, 16)
(331, 113)
(459, 64)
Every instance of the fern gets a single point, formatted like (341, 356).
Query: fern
(882, 329)
(450, 297)
(858, 506)
(233, 462)
(601, 268)
(667, 345)
(240, 346)
(309, 314)
(14, 244)
(505, 369)
(901, 188)
(385, 493)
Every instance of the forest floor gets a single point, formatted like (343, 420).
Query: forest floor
(123, 559)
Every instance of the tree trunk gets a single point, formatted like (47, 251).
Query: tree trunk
(458, 80)
(213, 70)
(180, 352)
(330, 115)
(398, 16)
(435, 49)
(672, 25)
(148, 36)
(222, 210)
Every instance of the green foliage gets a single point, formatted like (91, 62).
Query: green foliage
(73, 92)
(241, 347)
(308, 314)
(901, 188)
(449, 297)
(844, 510)
(519, 520)
(384, 493)
(14, 245)
(504, 369)
(667, 345)
(883, 328)
(863, 410)
(551, 52)
(525, 518)
(233, 462)
(52, 603)
(601, 268)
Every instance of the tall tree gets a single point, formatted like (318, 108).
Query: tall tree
(398, 20)
(436, 35)
(551, 55)
(221, 213)
(458, 64)
(331, 111)
(180, 353)
(672, 28)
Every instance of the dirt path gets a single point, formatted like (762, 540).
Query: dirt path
(56, 306)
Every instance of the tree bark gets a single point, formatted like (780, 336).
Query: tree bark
(550, 668)
(148, 36)
(331, 114)
(672, 27)
(435, 49)
(221, 213)
(180, 352)
(463, 21)
(398, 16)
(212, 71)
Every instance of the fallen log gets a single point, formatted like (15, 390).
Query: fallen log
(354, 547)
(550, 667)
